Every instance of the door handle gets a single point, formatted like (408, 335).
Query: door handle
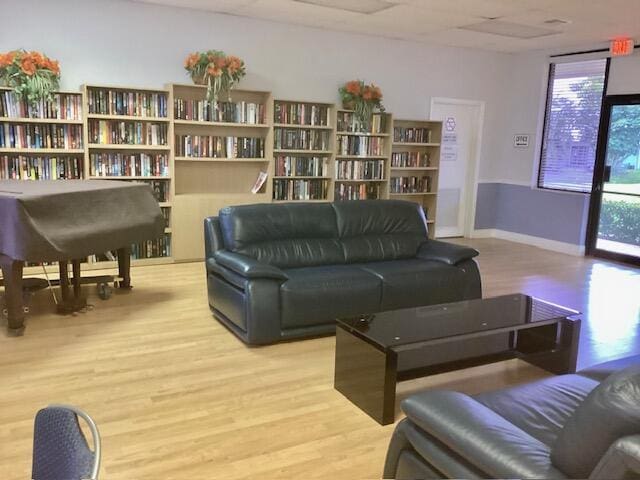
(607, 173)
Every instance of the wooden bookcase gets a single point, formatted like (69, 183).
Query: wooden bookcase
(303, 174)
(127, 137)
(62, 116)
(362, 157)
(415, 164)
(207, 181)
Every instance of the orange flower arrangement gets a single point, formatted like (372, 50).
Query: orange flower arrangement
(362, 98)
(216, 70)
(34, 76)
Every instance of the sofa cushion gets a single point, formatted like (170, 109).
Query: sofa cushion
(603, 370)
(377, 230)
(540, 408)
(285, 236)
(610, 411)
(407, 283)
(316, 295)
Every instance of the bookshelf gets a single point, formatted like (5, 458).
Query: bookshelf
(362, 156)
(126, 133)
(217, 151)
(304, 138)
(415, 164)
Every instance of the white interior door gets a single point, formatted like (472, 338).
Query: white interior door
(461, 132)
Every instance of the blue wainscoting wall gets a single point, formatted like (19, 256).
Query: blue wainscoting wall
(557, 216)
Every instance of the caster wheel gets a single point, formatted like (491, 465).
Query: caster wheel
(5, 313)
(116, 284)
(104, 291)
(26, 310)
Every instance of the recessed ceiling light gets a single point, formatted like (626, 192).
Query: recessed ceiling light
(508, 29)
(357, 6)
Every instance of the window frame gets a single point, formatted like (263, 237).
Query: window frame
(548, 95)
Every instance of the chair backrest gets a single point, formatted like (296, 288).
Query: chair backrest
(60, 449)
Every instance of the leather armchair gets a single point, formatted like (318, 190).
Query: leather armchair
(518, 432)
(278, 272)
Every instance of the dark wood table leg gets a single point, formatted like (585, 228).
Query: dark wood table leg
(553, 347)
(64, 281)
(124, 267)
(366, 376)
(12, 274)
(77, 289)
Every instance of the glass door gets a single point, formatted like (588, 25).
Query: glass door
(614, 220)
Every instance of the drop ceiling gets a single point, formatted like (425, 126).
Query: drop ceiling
(499, 25)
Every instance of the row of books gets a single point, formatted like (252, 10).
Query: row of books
(411, 135)
(158, 248)
(233, 112)
(410, 184)
(301, 114)
(166, 214)
(363, 191)
(159, 188)
(40, 136)
(349, 145)
(347, 122)
(107, 132)
(299, 189)
(120, 102)
(202, 146)
(410, 159)
(297, 139)
(360, 169)
(292, 166)
(62, 106)
(128, 164)
(22, 167)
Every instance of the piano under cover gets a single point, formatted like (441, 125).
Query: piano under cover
(62, 220)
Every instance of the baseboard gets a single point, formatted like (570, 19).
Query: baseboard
(544, 243)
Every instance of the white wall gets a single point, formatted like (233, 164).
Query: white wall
(128, 43)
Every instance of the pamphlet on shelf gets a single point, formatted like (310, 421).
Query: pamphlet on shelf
(262, 177)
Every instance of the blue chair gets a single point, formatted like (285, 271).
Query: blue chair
(60, 449)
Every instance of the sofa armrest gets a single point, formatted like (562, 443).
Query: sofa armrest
(246, 266)
(622, 460)
(445, 252)
(485, 439)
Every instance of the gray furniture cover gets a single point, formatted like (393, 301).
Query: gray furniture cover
(277, 272)
(51, 220)
(528, 431)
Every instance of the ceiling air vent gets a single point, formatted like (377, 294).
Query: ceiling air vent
(508, 29)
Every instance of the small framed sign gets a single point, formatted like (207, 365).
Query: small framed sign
(521, 140)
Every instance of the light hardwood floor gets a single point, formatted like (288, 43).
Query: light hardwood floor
(175, 395)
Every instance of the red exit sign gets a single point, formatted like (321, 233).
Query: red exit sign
(621, 46)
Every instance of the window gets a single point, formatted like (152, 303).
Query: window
(572, 117)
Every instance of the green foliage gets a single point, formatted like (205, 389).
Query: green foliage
(624, 134)
(620, 221)
(626, 176)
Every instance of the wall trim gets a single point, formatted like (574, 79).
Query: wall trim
(544, 243)
(508, 182)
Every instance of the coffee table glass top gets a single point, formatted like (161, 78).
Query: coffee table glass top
(413, 325)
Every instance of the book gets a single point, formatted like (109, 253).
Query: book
(117, 132)
(410, 184)
(362, 191)
(410, 159)
(358, 145)
(300, 166)
(360, 169)
(300, 189)
(40, 136)
(348, 122)
(21, 167)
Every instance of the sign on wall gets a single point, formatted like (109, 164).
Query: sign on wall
(449, 147)
(521, 140)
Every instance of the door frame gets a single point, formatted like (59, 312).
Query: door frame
(471, 182)
(598, 180)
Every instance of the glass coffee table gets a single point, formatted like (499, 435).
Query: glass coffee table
(370, 348)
